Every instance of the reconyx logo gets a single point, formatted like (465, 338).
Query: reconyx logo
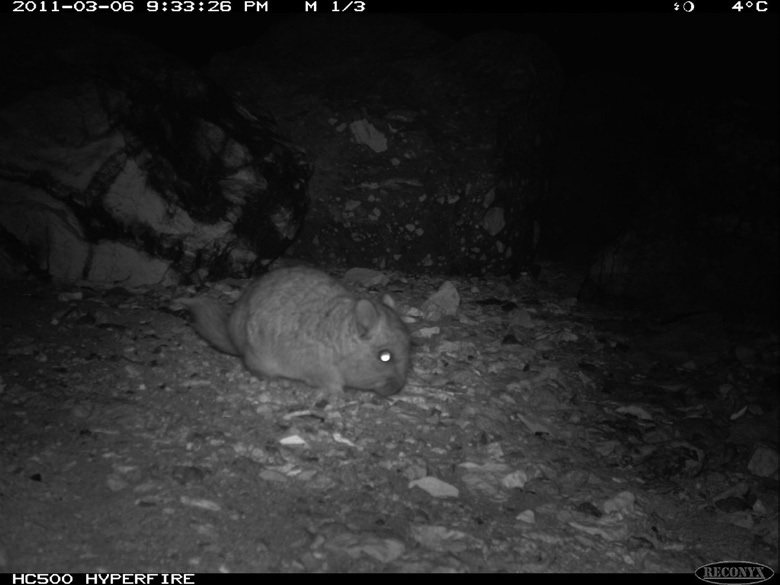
(742, 572)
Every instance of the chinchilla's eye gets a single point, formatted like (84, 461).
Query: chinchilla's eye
(385, 356)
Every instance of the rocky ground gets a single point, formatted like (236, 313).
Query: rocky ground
(534, 435)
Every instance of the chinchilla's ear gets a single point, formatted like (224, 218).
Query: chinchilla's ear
(366, 316)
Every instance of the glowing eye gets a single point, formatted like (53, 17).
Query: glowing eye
(385, 356)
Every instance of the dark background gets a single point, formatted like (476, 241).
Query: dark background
(729, 54)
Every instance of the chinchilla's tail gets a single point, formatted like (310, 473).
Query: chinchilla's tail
(211, 322)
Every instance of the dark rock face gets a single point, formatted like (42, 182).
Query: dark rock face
(122, 164)
(466, 156)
